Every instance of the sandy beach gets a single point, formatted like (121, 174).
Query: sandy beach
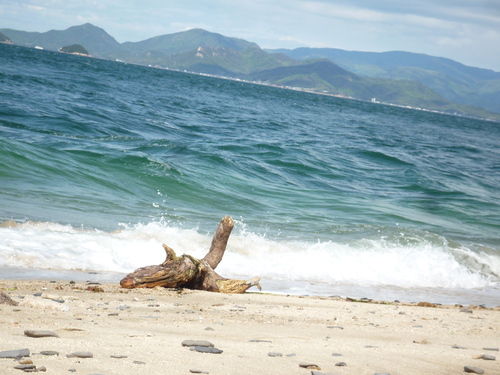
(142, 331)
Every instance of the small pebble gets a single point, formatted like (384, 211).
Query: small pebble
(195, 371)
(38, 334)
(25, 367)
(341, 364)
(139, 363)
(458, 347)
(336, 355)
(204, 343)
(15, 353)
(118, 356)
(49, 352)
(466, 310)
(273, 354)
(80, 355)
(209, 329)
(474, 370)
(204, 349)
(371, 346)
(492, 349)
(488, 357)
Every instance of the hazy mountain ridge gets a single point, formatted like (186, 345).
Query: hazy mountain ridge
(363, 75)
(455, 81)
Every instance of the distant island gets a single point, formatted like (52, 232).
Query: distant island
(405, 79)
(75, 49)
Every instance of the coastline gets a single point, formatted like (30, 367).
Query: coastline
(142, 331)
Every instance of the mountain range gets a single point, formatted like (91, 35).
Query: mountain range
(401, 78)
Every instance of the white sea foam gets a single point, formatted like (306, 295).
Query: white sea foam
(379, 262)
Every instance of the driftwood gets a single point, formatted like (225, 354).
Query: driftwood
(188, 272)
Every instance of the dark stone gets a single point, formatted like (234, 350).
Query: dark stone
(204, 349)
(488, 357)
(458, 347)
(49, 352)
(195, 371)
(38, 334)
(337, 327)
(119, 356)
(25, 367)
(341, 364)
(466, 310)
(15, 353)
(80, 355)
(204, 343)
(273, 354)
(474, 370)
(492, 349)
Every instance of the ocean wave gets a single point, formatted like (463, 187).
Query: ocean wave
(411, 260)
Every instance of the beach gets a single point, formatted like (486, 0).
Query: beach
(147, 331)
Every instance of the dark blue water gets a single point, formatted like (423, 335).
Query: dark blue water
(328, 193)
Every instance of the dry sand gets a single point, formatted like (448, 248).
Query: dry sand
(147, 327)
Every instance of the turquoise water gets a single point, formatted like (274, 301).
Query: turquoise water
(101, 162)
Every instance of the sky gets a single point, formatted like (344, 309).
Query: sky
(467, 31)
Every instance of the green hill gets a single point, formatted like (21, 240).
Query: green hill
(453, 80)
(97, 41)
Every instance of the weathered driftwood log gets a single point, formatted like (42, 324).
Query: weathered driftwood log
(188, 272)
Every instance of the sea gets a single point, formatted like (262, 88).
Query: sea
(101, 162)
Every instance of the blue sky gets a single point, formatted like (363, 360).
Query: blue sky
(467, 31)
